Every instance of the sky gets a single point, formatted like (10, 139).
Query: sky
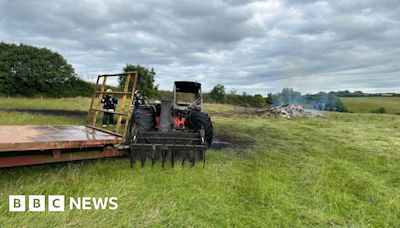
(252, 46)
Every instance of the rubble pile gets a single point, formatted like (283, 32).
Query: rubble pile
(286, 111)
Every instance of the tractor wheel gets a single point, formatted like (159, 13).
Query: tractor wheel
(144, 119)
(202, 120)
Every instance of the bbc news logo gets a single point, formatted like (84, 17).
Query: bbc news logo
(59, 203)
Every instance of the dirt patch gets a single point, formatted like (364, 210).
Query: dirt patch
(55, 112)
(236, 143)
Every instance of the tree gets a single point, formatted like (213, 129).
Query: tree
(26, 70)
(145, 82)
(258, 101)
(217, 94)
(268, 100)
(233, 91)
(325, 101)
(287, 96)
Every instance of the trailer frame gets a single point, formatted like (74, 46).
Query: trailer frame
(31, 145)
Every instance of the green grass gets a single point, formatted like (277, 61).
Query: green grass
(302, 172)
(14, 118)
(79, 103)
(369, 104)
(213, 108)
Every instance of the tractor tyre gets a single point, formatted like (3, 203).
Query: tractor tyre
(144, 119)
(203, 120)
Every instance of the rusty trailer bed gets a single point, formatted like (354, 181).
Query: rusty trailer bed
(26, 145)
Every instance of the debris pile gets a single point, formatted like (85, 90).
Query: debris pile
(286, 111)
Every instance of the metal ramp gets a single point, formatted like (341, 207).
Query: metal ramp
(124, 107)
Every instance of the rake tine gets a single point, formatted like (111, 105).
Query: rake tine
(183, 160)
(143, 158)
(154, 156)
(172, 158)
(131, 156)
(204, 158)
(178, 155)
(193, 157)
(163, 158)
(131, 161)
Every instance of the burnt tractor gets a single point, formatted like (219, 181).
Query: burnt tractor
(171, 131)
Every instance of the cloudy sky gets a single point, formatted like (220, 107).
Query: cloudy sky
(253, 46)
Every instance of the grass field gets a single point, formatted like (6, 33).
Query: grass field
(369, 104)
(306, 172)
(82, 104)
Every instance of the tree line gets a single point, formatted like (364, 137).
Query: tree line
(347, 93)
(321, 100)
(30, 71)
(218, 94)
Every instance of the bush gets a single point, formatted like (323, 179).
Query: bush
(287, 96)
(217, 94)
(30, 71)
(245, 100)
(325, 101)
(380, 110)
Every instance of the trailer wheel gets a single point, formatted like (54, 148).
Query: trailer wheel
(203, 120)
(144, 119)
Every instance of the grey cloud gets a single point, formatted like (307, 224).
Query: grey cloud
(253, 46)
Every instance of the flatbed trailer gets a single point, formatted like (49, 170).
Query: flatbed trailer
(30, 145)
